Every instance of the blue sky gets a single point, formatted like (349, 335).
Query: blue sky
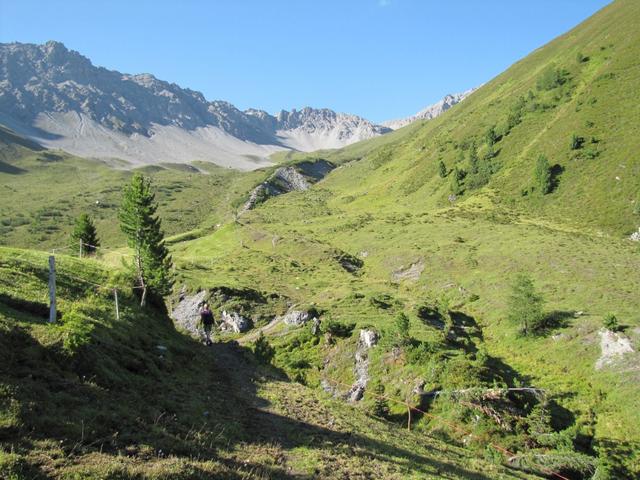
(380, 59)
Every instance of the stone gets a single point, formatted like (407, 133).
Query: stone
(235, 322)
(368, 338)
(296, 318)
(635, 236)
(186, 313)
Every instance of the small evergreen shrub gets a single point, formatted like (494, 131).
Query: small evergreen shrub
(263, 350)
(610, 322)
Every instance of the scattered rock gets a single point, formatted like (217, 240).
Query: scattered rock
(315, 326)
(412, 272)
(614, 346)
(296, 318)
(234, 322)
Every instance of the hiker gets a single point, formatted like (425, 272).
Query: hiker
(206, 318)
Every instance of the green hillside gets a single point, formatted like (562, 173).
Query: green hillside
(92, 397)
(388, 207)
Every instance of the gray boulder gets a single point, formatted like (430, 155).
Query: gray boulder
(186, 313)
(235, 322)
(296, 318)
(368, 338)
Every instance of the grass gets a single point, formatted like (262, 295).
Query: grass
(137, 399)
(344, 248)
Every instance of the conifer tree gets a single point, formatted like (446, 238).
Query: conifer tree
(138, 221)
(455, 184)
(442, 169)
(525, 305)
(542, 175)
(85, 232)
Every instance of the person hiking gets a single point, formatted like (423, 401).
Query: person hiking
(206, 318)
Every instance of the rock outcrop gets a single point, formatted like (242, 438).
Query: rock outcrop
(614, 346)
(367, 340)
(298, 177)
(186, 314)
(296, 318)
(234, 321)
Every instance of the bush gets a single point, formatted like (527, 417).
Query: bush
(542, 175)
(610, 322)
(263, 350)
(380, 406)
(576, 142)
(442, 169)
(338, 329)
(551, 78)
(400, 333)
(77, 329)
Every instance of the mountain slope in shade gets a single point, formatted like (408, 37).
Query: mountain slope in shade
(430, 112)
(58, 98)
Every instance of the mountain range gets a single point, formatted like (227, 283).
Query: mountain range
(58, 98)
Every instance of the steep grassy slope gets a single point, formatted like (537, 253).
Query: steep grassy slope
(388, 208)
(92, 397)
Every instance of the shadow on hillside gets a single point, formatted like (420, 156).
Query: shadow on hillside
(124, 396)
(554, 320)
(11, 169)
(466, 330)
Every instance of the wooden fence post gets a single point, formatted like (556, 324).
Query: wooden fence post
(80, 248)
(52, 289)
(408, 417)
(115, 295)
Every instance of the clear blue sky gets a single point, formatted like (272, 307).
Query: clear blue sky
(380, 59)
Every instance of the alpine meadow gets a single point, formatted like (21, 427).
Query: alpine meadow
(454, 295)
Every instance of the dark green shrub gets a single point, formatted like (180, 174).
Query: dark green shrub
(380, 406)
(576, 142)
(338, 329)
(77, 329)
(610, 322)
(263, 350)
(542, 175)
(442, 169)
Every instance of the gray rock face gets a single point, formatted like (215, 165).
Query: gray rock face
(234, 322)
(430, 112)
(296, 318)
(298, 177)
(59, 98)
(368, 338)
(187, 313)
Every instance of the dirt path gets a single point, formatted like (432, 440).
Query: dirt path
(254, 334)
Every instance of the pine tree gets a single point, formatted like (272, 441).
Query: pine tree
(473, 159)
(455, 184)
(542, 175)
(143, 229)
(491, 136)
(525, 305)
(85, 232)
(442, 169)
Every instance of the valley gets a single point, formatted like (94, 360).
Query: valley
(365, 289)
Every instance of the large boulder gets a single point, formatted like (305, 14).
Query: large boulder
(186, 314)
(296, 318)
(235, 322)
